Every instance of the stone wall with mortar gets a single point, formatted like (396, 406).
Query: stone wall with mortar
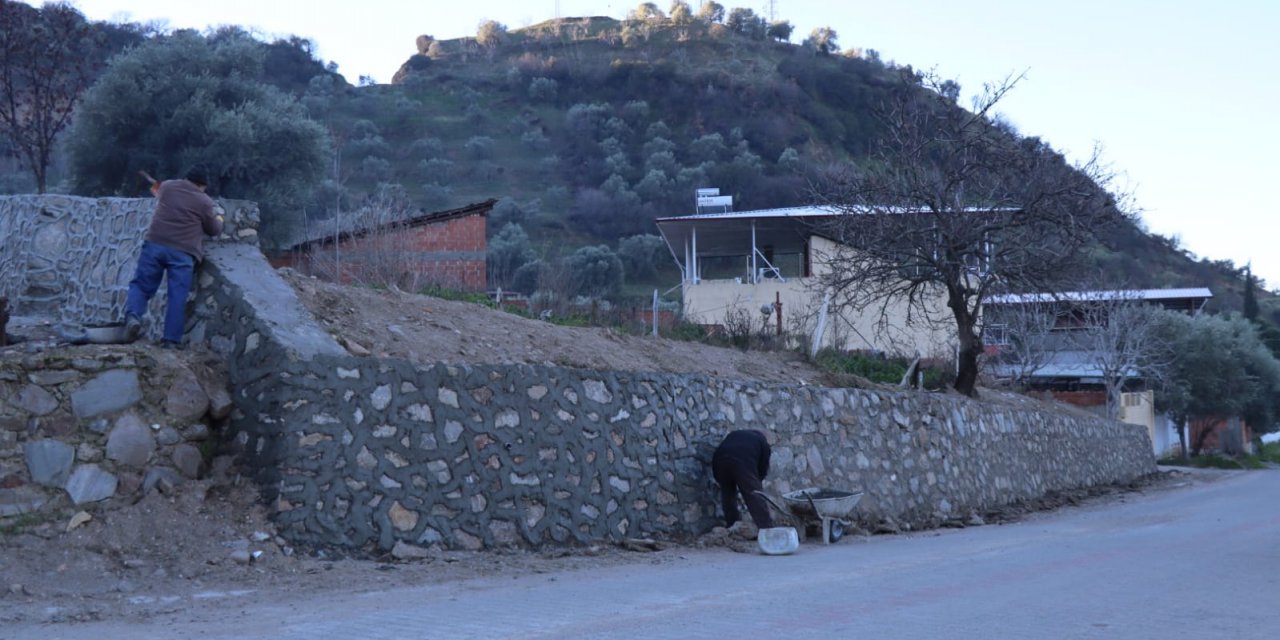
(365, 453)
(70, 259)
(82, 425)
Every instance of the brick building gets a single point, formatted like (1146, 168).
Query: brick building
(443, 248)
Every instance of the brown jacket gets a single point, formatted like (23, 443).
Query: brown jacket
(184, 215)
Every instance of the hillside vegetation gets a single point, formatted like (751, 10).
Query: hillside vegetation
(587, 129)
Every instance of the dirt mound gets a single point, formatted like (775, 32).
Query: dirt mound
(426, 329)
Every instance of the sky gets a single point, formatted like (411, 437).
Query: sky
(1177, 94)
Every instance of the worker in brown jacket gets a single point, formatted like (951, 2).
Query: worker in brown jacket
(173, 246)
(739, 465)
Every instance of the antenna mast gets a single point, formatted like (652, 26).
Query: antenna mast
(772, 10)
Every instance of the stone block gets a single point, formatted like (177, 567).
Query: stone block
(188, 460)
(108, 392)
(130, 443)
(56, 425)
(186, 399)
(168, 436)
(35, 400)
(163, 479)
(90, 483)
(49, 462)
(21, 500)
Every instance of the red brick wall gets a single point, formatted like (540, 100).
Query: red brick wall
(449, 253)
(1213, 430)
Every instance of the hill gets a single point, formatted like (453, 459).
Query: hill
(588, 128)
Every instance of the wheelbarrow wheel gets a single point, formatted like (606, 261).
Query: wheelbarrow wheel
(837, 530)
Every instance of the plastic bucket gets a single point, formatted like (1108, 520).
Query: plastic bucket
(778, 541)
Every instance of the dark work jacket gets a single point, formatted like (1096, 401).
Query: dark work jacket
(184, 216)
(746, 445)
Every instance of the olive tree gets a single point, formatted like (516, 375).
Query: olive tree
(594, 271)
(1219, 368)
(187, 99)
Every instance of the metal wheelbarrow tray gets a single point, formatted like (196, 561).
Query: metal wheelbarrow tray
(828, 507)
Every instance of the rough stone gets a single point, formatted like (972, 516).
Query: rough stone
(130, 443)
(86, 452)
(402, 518)
(405, 551)
(90, 483)
(53, 377)
(186, 399)
(49, 462)
(35, 400)
(168, 436)
(163, 479)
(56, 425)
(197, 432)
(108, 392)
(188, 460)
(20, 501)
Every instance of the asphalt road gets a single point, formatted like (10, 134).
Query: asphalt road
(1195, 561)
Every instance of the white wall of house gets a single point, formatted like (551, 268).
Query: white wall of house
(886, 328)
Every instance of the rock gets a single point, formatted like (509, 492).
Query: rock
(167, 436)
(744, 530)
(401, 518)
(20, 500)
(108, 392)
(90, 483)
(79, 519)
(162, 479)
(100, 425)
(35, 400)
(49, 462)
(56, 425)
(198, 432)
(186, 399)
(353, 347)
(188, 460)
(220, 405)
(241, 556)
(130, 442)
(405, 551)
(86, 452)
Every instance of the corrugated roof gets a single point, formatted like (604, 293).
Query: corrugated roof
(803, 212)
(353, 226)
(1148, 295)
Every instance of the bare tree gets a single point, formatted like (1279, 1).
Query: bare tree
(950, 208)
(47, 59)
(1024, 337)
(1119, 335)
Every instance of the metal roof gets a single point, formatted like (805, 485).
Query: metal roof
(786, 212)
(1146, 295)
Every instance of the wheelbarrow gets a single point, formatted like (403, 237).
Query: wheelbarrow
(826, 509)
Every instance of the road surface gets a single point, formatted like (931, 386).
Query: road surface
(1200, 560)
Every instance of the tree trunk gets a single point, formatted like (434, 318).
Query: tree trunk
(1182, 438)
(967, 364)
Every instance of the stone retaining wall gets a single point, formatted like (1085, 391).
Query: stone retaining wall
(86, 424)
(365, 453)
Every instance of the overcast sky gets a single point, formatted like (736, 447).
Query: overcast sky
(1180, 94)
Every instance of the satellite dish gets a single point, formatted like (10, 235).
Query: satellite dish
(766, 309)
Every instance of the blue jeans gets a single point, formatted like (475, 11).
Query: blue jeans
(177, 267)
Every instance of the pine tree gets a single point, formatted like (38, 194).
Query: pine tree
(1250, 301)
